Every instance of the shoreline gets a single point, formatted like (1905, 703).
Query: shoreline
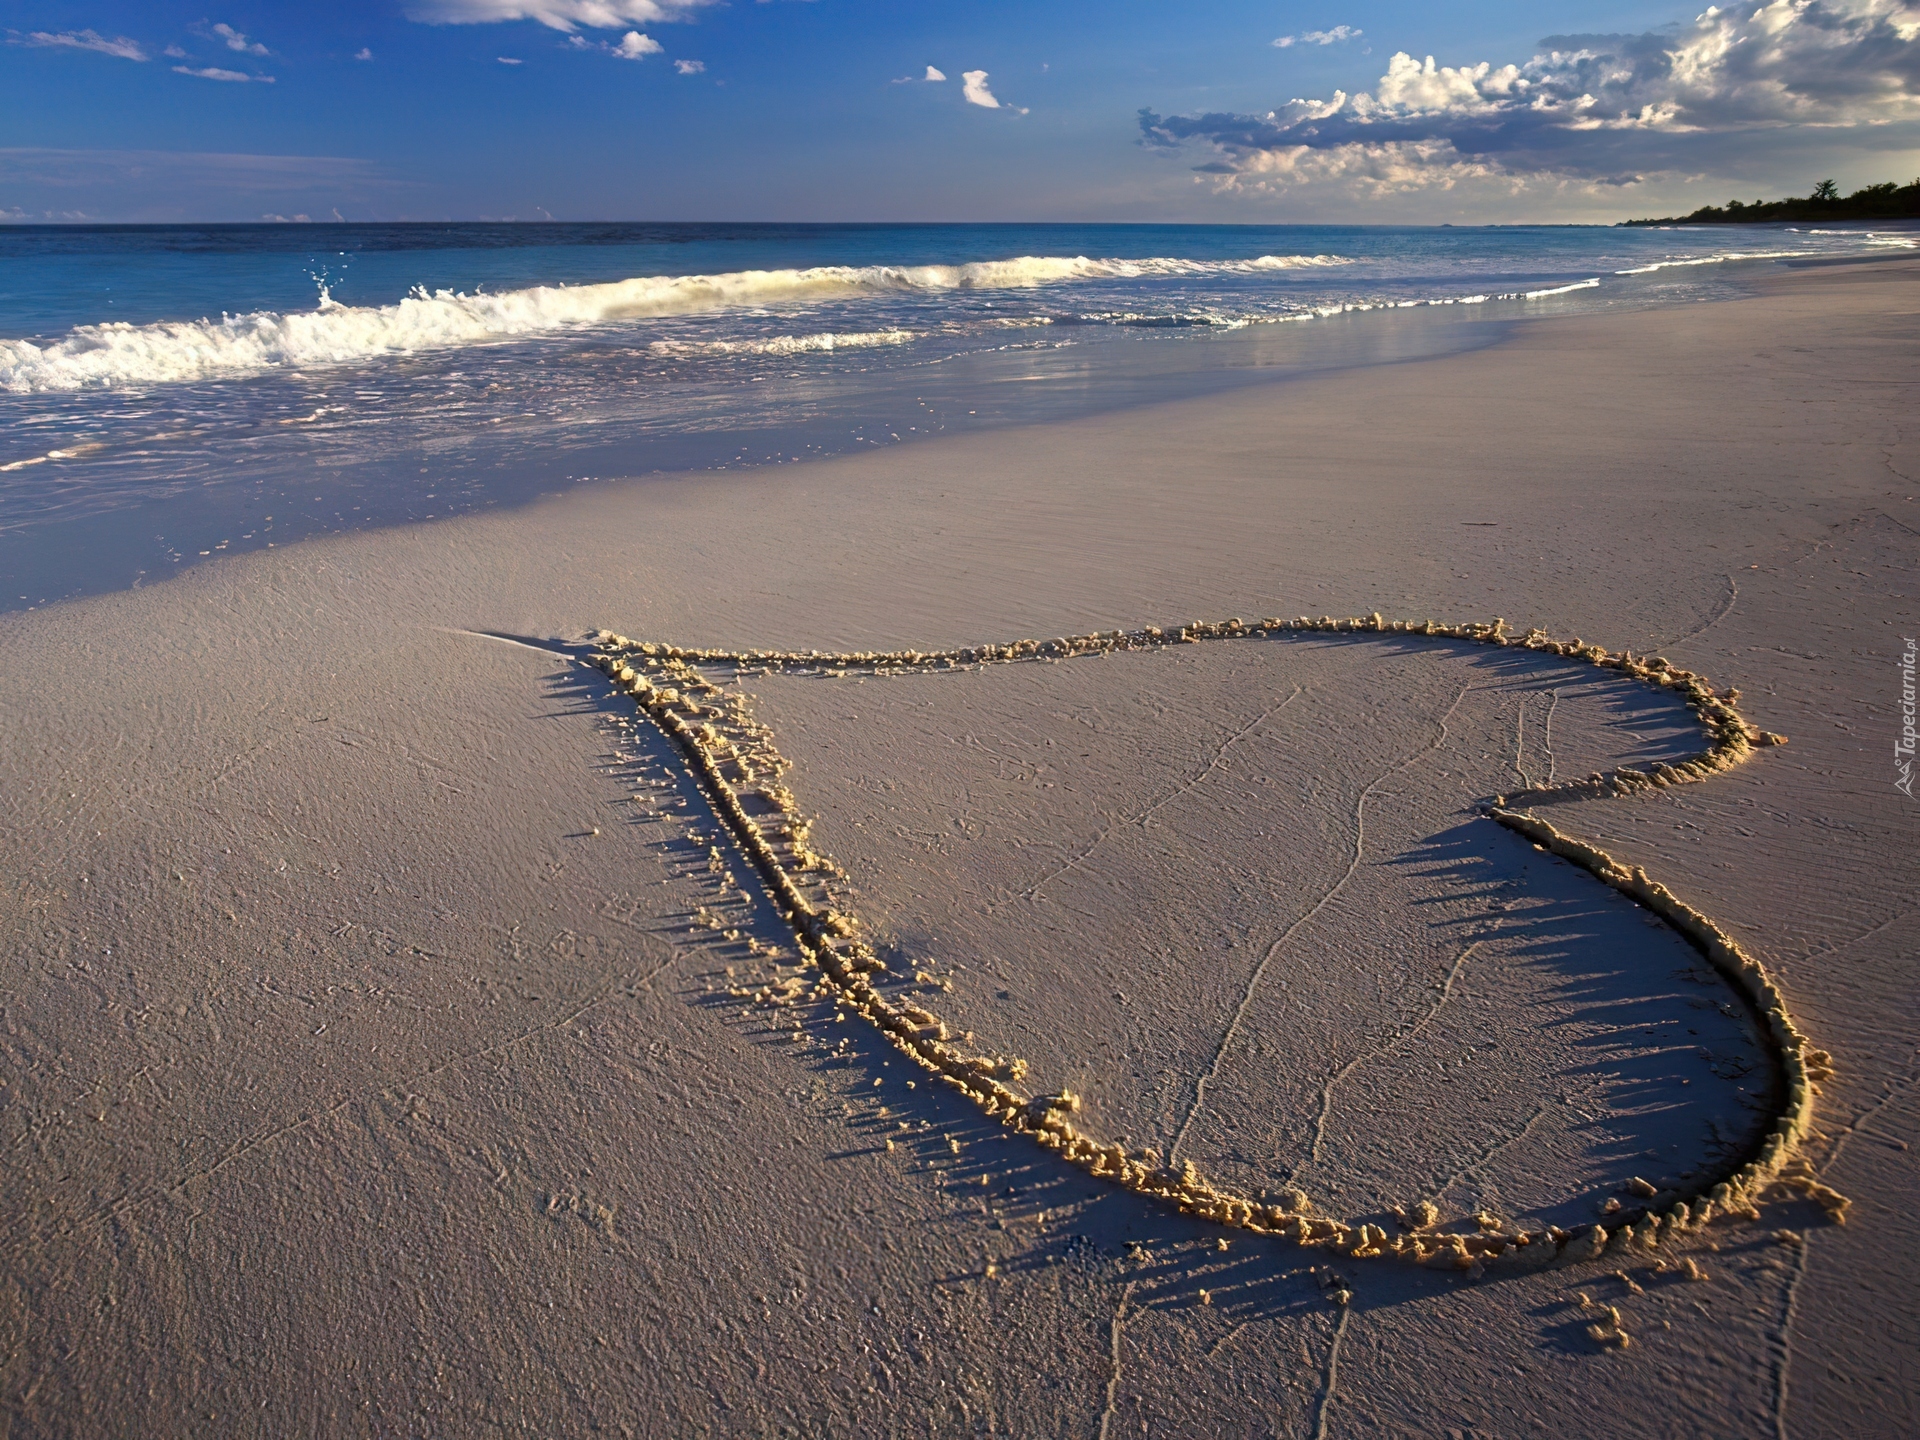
(364, 979)
(146, 541)
(141, 540)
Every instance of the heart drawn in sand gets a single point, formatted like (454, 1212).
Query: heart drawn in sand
(737, 765)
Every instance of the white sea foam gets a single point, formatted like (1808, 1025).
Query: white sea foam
(1899, 242)
(1164, 320)
(786, 344)
(116, 355)
(1713, 260)
(1354, 307)
(1559, 290)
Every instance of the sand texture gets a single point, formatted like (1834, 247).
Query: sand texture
(404, 1036)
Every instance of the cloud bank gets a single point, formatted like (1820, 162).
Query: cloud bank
(1318, 37)
(1599, 110)
(566, 15)
(117, 46)
(234, 40)
(214, 72)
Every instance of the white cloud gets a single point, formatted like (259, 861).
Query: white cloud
(1731, 88)
(691, 67)
(635, 46)
(174, 52)
(1318, 37)
(973, 89)
(236, 41)
(567, 15)
(1411, 88)
(973, 86)
(214, 72)
(117, 46)
(363, 53)
(509, 60)
(1393, 167)
(290, 219)
(933, 74)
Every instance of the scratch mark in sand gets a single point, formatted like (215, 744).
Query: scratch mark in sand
(1520, 744)
(1901, 523)
(1553, 703)
(1492, 1150)
(1382, 1051)
(1032, 892)
(557, 648)
(1886, 456)
(1227, 1339)
(1115, 1330)
(1260, 970)
(1783, 1362)
(1330, 1383)
(1857, 939)
(1726, 609)
(605, 992)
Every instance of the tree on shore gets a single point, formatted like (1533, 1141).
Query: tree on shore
(1885, 201)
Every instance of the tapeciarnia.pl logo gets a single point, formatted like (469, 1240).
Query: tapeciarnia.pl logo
(1903, 746)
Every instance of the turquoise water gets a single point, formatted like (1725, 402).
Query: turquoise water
(216, 388)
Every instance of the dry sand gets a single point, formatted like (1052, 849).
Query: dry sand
(373, 1063)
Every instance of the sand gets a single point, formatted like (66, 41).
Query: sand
(374, 1065)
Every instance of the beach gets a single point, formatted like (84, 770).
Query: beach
(387, 1045)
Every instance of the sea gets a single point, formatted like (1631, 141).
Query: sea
(172, 394)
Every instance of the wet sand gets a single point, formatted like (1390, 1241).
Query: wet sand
(382, 1046)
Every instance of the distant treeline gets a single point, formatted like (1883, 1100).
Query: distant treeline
(1874, 202)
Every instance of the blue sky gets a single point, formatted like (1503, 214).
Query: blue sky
(821, 109)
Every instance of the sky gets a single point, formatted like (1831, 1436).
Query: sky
(1377, 111)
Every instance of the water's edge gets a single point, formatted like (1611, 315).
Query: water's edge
(156, 540)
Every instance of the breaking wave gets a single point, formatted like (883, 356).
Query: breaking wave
(118, 355)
